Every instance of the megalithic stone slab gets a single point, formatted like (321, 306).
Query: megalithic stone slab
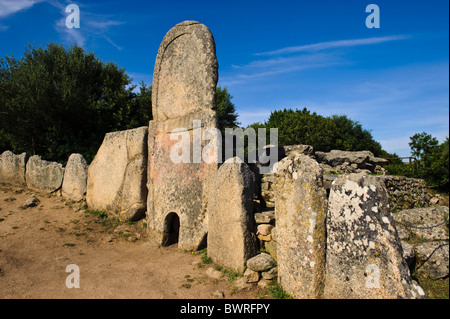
(364, 253)
(42, 175)
(300, 210)
(75, 178)
(117, 176)
(231, 231)
(185, 73)
(184, 88)
(12, 168)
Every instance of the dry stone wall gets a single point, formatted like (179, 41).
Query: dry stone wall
(406, 193)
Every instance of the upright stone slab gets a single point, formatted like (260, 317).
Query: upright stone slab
(185, 74)
(300, 210)
(231, 232)
(12, 168)
(42, 175)
(364, 253)
(184, 86)
(117, 176)
(75, 178)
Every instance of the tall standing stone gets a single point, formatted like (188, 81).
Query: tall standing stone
(364, 253)
(75, 178)
(231, 232)
(185, 73)
(116, 180)
(184, 86)
(300, 210)
(12, 168)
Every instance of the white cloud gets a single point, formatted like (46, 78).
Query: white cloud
(334, 44)
(280, 65)
(9, 7)
(92, 26)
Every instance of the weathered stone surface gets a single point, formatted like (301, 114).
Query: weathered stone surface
(433, 257)
(184, 88)
(271, 248)
(264, 229)
(265, 217)
(424, 217)
(261, 262)
(364, 254)
(180, 188)
(42, 175)
(251, 276)
(117, 175)
(298, 149)
(360, 158)
(185, 73)
(300, 211)
(75, 178)
(12, 168)
(231, 229)
(408, 254)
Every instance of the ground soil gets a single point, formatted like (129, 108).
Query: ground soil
(116, 260)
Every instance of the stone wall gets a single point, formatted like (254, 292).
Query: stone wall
(406, 193)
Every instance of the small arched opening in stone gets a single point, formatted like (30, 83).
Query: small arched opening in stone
(171, 229)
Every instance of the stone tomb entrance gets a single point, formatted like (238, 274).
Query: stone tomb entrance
(171, 229)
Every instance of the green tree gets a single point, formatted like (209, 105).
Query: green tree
(422, 145)
(225, 109)
(350, 136)
(302, 127)
(56, 101)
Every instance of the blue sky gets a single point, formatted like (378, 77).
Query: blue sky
(394, 80)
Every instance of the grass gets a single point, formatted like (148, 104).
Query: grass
(100, 214)
(433, 288)
(275, 291)
(206, 260)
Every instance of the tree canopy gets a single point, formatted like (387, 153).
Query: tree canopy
(56, 101)
(323, 133)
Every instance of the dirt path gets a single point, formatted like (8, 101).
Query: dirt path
(115, 260)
